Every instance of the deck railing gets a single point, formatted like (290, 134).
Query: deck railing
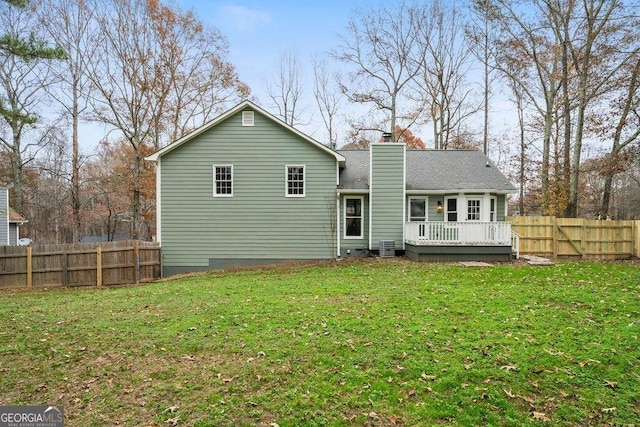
(458, 233)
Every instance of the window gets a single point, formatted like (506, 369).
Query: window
(418, 209)
(452, 210)
(247, 118)
(223, 181)
(473, 210)
(295, 181)
(353, 218)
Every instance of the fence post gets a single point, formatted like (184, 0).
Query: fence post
(29, 268)
(99, 266)
(554, 237)
(636, 238)
(136, 258)
(65, 269)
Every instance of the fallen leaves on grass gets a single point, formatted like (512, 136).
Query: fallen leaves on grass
(540, 416)
(425, 377)
(172, 421)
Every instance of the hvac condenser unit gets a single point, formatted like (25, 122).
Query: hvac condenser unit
(387, 248)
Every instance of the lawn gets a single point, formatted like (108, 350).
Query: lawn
(371, 342)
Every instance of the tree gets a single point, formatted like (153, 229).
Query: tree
(192, 82)
(148, 85)
(25, 65)
(327, 98)
(109, 184)
(407, 137)
(285, 89)
(598, 47)
(442, 76)
(479, 35)
(70, 24)
(47, 190)
(626, 130)
(383, 50)
(527, 57)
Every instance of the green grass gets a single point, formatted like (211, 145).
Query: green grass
(373, 342)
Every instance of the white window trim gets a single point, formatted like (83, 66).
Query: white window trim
(426, 206)
(248, 118)
(344, 217)
(304, 181)
(214, 181)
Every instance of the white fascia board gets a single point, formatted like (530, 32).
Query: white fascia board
(457, 191)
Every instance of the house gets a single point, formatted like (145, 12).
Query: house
(247, 189)
(10, 221)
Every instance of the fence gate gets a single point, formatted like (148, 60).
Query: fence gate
(577, 238)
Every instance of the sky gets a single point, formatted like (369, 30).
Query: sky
(258, 32)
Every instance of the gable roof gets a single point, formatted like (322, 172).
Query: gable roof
(241, 106)
(432, 170)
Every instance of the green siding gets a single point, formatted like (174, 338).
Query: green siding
(258, 222)
(387, 194)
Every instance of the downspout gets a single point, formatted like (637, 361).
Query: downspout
(338, 249)
(404, 195)
(370, 207)
(158, 202)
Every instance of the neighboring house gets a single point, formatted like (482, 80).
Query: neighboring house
(10, 221)
(248, 189)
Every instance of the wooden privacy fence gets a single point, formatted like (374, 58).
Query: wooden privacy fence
(549, 236)
(82, 264)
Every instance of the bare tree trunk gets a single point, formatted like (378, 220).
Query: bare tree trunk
(137, 171)
(16, 169)
(617, 145)
(75, 166)
(566, 114)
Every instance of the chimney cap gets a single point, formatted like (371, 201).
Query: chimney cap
(386, 136)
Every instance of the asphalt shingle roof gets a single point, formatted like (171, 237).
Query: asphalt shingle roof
(432, 170)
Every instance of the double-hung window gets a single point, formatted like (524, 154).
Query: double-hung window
(295, 181)
(223, 180)
(353, 218)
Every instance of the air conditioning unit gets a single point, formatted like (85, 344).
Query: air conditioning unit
(387, 248)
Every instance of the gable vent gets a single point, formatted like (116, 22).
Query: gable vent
(247, 118)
